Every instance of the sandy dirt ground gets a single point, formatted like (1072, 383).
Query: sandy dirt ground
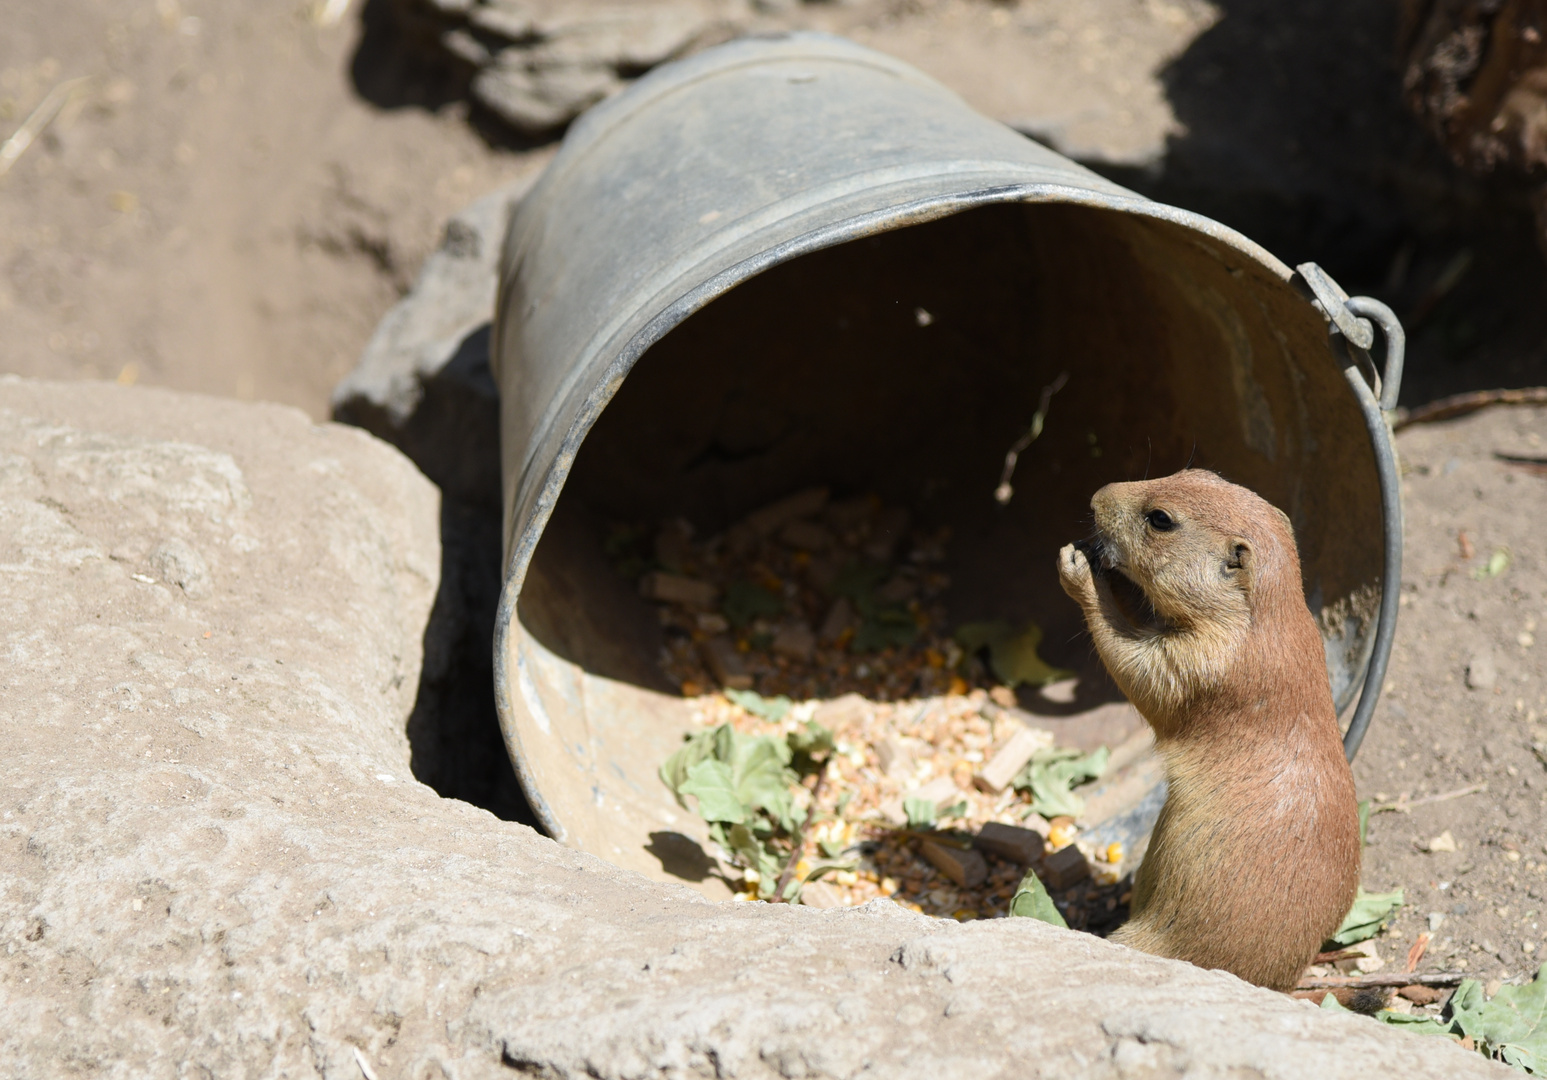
(218, 209)
(239, 193)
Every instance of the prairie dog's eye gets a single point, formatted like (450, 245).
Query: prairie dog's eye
(1160, 521)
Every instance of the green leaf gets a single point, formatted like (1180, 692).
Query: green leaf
(1011, 653)
(674, 771)
(1331, 1004)
(1051, 776)
(830, 849)
(753, 854)
(751, 771)
(1364, 822)
(714, 785)
(858, 581)
(1497, 563)
(885, 628)
(1369, 916)
(810, 739)
(746, 601)
(1414, 1022)
(920, 812)
(774, 708)
(1512, 1025)
(957, 809)
(829, 868)
(1031, 901)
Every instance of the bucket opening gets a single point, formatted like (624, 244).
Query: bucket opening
(900, 368)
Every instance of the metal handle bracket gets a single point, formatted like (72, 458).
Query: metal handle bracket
(1351, 319)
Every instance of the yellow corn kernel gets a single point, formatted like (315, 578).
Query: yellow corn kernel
(964, 914)
(1061, 836)
(1114, 853)
(958, 685)
(889, 885)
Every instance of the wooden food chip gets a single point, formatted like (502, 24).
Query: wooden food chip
(1011, 759)
(965, 866)
(676, 589)
(1065, 867)
(1010, 842)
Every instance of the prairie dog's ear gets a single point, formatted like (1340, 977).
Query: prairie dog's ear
(1240, 559)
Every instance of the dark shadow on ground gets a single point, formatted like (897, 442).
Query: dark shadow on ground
(1296, 135)
(400, 64)
(453, 436)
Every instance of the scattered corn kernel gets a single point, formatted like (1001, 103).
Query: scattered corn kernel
(1113, 853)
(889, 885)
(964, 914)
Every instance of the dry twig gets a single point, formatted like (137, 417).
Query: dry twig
(1404, 804)
(1004, 492)
(1461, 404)
(34, 125)
(798, 847)
(1383, 979)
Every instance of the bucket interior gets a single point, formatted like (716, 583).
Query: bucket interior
(905, 364)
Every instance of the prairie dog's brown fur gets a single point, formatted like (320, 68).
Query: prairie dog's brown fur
(1192, 592)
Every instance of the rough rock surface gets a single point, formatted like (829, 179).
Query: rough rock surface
(537, 64)
(216, 863)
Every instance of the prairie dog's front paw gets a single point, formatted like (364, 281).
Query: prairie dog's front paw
(1074, 573)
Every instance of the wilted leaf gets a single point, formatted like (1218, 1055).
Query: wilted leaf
(1051, 776)
(1364, 822)
(1031, 901)
(774, 708)
(1512, 1025)
(1011, 653)
(712, 783)
(920, 812)
(1369, 915)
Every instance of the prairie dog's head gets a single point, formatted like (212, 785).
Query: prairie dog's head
(1189, 550)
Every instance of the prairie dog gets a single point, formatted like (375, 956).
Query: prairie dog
(1191, 589)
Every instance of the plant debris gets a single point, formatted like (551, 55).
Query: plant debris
(812, 597)
(839, 802)
(1371, 913)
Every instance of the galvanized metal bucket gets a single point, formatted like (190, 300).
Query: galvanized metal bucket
(793, 260)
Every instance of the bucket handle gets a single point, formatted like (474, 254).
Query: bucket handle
(1351, 319)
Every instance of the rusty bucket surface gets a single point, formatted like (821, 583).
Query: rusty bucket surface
(793, 261)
